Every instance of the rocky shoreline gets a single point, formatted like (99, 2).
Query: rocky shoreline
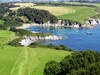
(90, 23)
(57, 25)
(28, 40)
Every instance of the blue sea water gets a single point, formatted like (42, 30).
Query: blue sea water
(78, 39)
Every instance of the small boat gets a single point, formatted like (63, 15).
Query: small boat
(89, 33)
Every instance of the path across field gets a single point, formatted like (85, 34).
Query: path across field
(27, 61)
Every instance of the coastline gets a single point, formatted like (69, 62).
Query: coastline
(29, 39)
(24, 26)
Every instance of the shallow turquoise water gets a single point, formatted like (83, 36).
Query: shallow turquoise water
(78, 39)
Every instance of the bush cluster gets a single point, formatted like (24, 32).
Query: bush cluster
(80, 63)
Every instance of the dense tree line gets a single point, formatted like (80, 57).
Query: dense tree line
(79, 63)
(9, 21)
(13, 18)
(4, 8)
(37, 16)
(60, 47)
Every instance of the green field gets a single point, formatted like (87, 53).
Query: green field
(74, 13)
(8, 57)
(80, 14)
(56, 10)
(1, 22)
(27, 61)
(6, 36)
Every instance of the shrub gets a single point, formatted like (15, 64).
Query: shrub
(15, 42)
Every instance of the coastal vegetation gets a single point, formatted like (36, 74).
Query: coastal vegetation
(37, 16)
(22, 32)
(50, 46)
(80, 63)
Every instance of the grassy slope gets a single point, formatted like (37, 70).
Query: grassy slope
(81, 14)
(6, 36)
(27, 61)
(1, 22)
(33, 60)
(8, 57)
(77, 13)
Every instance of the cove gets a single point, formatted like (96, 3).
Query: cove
(78, 39)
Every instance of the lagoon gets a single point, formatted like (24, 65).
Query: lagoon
(78, 39)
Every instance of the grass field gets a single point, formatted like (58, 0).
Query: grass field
(27, 61)
(6, 36)
(57, 11)
(1, 22)
(81, 14)
(8, 56)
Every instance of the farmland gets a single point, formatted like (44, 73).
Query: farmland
(57, 11)
(22, 5)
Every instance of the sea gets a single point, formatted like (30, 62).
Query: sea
(78, 39)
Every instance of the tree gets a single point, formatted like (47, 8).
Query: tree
(81, 63)
(52, 68)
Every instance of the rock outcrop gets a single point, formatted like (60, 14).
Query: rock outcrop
(93, 21)
(30, 39)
